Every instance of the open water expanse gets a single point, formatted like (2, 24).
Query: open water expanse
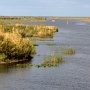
(73, 74)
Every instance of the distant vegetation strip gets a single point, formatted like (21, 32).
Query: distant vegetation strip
(84, 19)
(11, 20)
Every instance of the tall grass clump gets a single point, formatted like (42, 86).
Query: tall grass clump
(42, 31)
(51, 61)
(69, 51)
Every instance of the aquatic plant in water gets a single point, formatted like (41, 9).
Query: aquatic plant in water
(51, 61)
(69, 51)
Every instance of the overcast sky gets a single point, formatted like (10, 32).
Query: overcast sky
(45, 7)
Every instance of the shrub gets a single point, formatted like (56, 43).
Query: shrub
(14, 46)
(2, 57)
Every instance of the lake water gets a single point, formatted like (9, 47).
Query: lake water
(73, 74)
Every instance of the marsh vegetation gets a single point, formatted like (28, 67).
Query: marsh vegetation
(41, 31)
(69, 51)
(12, 20)
(49, 61)
(43, 71)
(16, 41)
(14, 44)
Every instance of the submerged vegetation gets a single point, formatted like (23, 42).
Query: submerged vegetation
(49, 61)
(24, 65)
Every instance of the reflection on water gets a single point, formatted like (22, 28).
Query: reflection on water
(6, 68)
(3, 68)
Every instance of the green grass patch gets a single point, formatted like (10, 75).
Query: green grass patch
(2, 57)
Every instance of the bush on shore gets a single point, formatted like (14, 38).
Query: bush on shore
(14, 46)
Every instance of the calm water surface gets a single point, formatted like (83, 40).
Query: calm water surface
(74, 74)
